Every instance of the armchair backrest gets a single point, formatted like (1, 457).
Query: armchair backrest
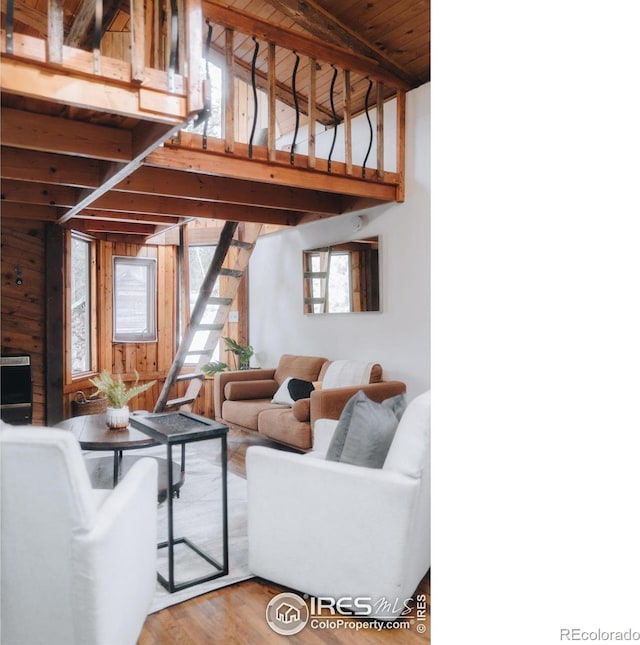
(45, 500)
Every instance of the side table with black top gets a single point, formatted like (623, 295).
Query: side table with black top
(174, 428)
(92, 433)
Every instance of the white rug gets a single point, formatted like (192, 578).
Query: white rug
(197, 515)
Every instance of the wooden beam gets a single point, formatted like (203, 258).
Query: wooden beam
(215, 162)
(53, 134)
(30, 16)
(320, 23)
(49, 168)
(145, 138)
(43, 194)
(194, 28)
(316, 48)
(81, 31)
(102, 226)
(156, 219)
(156, 204)
(196, 186)
(29, 211)
(137, 12)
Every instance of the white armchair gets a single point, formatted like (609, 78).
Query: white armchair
(78, 564)
(337, 530)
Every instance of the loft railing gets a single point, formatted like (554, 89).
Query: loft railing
(154, 48)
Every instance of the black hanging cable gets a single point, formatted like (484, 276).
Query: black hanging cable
(9, 27)
(366, 112)
(335, 116)
(204, 114)
(295, 103)
(255, 95)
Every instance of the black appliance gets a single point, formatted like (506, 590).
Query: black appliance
(15, 383)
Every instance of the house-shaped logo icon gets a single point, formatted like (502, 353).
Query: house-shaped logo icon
(287, 613)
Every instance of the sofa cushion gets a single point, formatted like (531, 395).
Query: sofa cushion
(280, 425)
(245, 413)
(240, 390)
(410, 448)
(365, 430)
(302, 367)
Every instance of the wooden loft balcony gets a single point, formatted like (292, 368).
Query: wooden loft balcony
(104, 114)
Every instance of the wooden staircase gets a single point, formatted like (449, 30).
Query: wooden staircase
(237, 237)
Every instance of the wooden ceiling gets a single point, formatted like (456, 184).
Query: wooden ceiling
(43, 176)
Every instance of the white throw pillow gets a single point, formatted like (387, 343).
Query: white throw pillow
(282, 396)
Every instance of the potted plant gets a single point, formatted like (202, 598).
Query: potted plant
(209, 369)
(118, 395)
(243, 352)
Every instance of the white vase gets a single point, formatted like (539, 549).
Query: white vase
(118, 418)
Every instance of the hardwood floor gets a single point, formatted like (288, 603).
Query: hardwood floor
(235, 615)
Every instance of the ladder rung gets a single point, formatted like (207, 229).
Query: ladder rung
(315, 274)
(214, 300)
(190, 376)
(209, 327)
(183, 400)
(241, 245)
(199, 352)
(231, 273)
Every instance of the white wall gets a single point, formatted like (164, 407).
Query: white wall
(398, 336)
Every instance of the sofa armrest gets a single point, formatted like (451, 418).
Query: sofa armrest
(221, 379)
(328, 404)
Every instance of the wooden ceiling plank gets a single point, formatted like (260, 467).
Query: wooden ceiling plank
(313, 47)
(101, 226)
(323, 25)
(142, 218)
(29, 211)
(52, 134)
(196, 186)
(50, 168)
(42, 194)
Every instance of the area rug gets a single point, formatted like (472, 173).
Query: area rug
(197, 516)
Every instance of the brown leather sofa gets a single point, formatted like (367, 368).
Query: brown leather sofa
(242, 399)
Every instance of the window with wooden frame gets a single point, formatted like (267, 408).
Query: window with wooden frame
(134, 300)
(81, 335)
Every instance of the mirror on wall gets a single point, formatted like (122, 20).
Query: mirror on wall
(342, 277)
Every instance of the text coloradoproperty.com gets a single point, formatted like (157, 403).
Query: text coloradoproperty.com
(599, 635)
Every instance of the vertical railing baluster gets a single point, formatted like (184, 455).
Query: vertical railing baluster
(271, 129)
(173, 54)
(311, 159)
(255, 95)
(348, 159)
(206, 110)
(366, 113)
(9, 28)
(97, 37)
(55, 32)
(335, 116)
(229, 91)
(297, 108)
(137, 12)
(380, 129)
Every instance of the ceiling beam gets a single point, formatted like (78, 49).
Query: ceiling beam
(319, 22)
(45, 133)
(29, 211)
(101, 226)
(140, 218)
(316, 48)
(211, 188)
(42, 194)
(50, 168)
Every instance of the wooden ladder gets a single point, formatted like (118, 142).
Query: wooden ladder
(322, 274)
(233, 236)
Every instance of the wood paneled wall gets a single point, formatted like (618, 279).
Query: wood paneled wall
(23, 306)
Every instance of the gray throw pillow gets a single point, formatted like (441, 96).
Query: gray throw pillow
(365, 430)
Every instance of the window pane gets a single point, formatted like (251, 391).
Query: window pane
(80, 306)
(134, 299)
(339, 283)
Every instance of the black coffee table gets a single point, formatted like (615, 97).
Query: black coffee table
(173, 428)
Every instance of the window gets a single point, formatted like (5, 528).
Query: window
(81, 305)
(339, 285)
(134, 300)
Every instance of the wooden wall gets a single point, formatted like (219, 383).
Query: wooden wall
(23, 307)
